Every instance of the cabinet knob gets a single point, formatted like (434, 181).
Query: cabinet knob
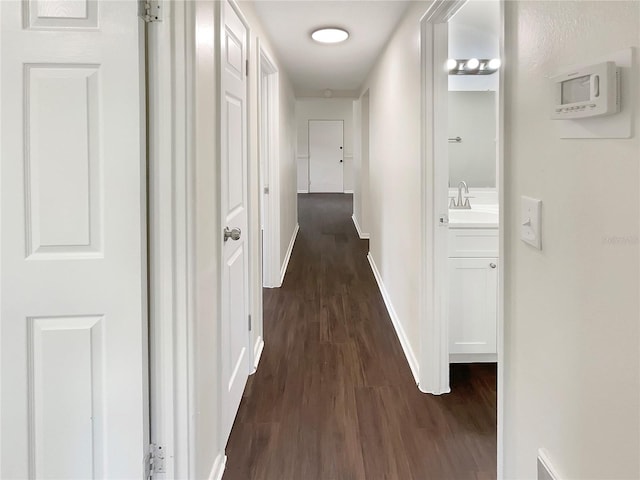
(492, 265)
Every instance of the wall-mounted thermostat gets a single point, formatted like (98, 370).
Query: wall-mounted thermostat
(591, 91)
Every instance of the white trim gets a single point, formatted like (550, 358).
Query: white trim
(287, 257)
(361, 234)
(267, 67)
(548, 469)
(395, 320)
(171, 57)
(303, 191)
(500, 183)
(348, 191)
(302, 156)
(473, 358)
(257, 353)
(434, 331)
(217, 471)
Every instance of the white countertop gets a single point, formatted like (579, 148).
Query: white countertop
(480, 216)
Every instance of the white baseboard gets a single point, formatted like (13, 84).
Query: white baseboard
(257, 353)
(363, 236)
(218, 467)
(402, 336)
(473, 358)
(287, 257)
(303, 191)
(348, 191)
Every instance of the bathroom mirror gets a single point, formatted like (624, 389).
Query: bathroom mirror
(472, 138)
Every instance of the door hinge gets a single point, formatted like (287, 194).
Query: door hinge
(247, 66)
(249, 322)
(150, 10)
(266, 190)
(443, 220)
(155, 461)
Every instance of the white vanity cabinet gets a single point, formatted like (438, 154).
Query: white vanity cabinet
(473, 294)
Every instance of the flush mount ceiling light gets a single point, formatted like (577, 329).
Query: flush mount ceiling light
(473, 66)
(330, 35)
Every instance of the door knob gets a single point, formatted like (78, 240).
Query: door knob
(232, 234)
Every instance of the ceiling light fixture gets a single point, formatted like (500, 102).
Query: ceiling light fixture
(330, 35)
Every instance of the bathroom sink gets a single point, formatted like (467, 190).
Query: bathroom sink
(480, 216)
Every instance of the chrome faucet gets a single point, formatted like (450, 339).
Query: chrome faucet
(461, 204)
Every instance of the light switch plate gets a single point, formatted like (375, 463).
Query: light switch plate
(530, 221)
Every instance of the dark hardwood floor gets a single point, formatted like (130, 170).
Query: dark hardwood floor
(333, 397)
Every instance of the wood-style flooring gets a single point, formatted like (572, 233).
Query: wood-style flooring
(333, 397)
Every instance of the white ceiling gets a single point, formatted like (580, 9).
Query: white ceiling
(314, 67)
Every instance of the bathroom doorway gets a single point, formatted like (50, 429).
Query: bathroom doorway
(462, 48)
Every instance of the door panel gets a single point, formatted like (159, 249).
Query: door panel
(73, 282)
(326, 156)
(235, 300)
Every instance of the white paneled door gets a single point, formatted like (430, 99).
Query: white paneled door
(236, 361)
(326, 156)
(73, 283)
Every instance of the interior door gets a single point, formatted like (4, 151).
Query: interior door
(326, 156)
(73, 282)
(235, 295)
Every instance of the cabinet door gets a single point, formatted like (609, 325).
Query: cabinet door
(473, 287)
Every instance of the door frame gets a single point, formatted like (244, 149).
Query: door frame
(270, 258)
(309, 150)
(171, 53)
(434, 341)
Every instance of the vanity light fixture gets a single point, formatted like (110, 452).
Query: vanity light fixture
(473, 66)
(330, 35)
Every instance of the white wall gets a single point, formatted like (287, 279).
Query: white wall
(361, 164)
(288, 166)
(394, 169)
(572, 340)
(323, 109)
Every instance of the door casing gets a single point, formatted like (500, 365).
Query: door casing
(268, 129)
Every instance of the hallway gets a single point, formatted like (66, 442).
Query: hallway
(333, 397)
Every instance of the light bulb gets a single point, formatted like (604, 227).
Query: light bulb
(495, 63)
(451, 64)
(472, 64)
